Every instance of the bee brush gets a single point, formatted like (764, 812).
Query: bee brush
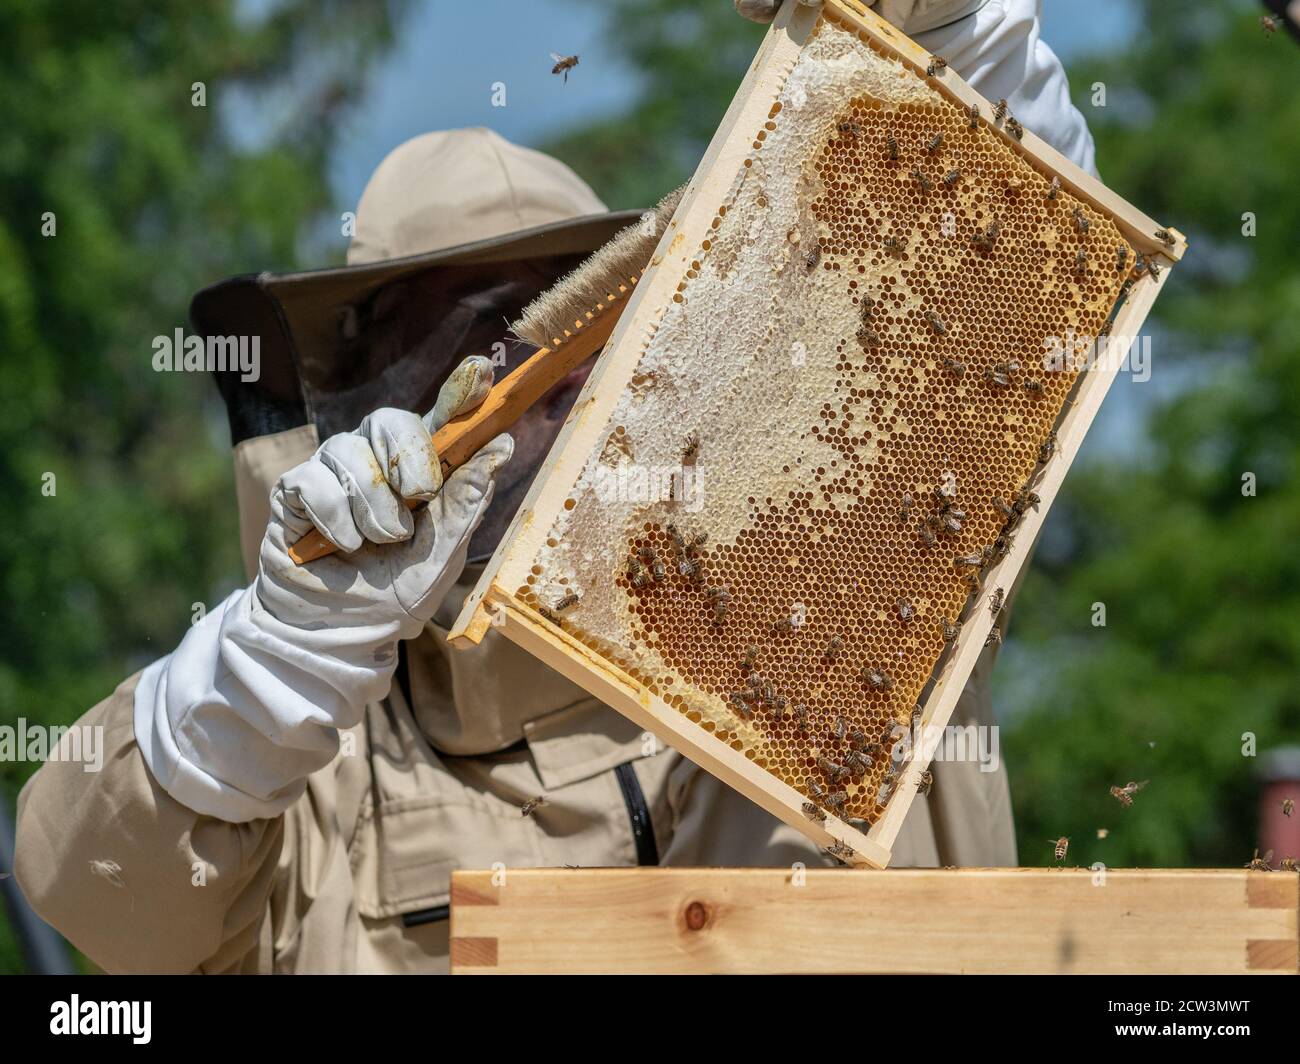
(569, 322)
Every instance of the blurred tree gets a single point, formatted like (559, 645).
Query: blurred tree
(120, 198)
(1201, 583)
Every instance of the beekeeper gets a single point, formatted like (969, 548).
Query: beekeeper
(273, 800)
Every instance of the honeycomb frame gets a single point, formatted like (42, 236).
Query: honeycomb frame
(830, 264)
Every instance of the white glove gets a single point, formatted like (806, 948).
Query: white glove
(251, 702)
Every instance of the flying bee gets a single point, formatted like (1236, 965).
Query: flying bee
(1288, 806)
(1000, 110)
(834, 647)
(563, 64)
(751, 656)
(956, 368)
(532, 805)
(919, 177)
(1047, 448)
(891, 146)
(895, 247)
(1015, 129)
(812, 812)
(927, 537)
(813, 257)
(995, 601)
(994, 638)
(691, 447)
(1054, 188)
(1124, 795)
(1270, 24)
(999, 376)
(924, 782)
(937, 63)
(1288, 864)
(1062, 845)
(1034, 386)
(906, 611)
(876, 680)
(936, 323)
(951, 630)
(973, 115)
(1261, 864)
(833, 769)
(571, 599)
(1080, 219)
(951, 178)
(636, 574)
(934, 144)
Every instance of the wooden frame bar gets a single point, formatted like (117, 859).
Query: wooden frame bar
(494, 603)
(829, 921)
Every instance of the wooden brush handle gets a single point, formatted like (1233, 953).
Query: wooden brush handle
(458, 440)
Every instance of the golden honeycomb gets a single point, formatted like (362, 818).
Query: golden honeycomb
(923, 376)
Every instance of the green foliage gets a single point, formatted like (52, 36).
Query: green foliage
(152, 198)
(1201, 584)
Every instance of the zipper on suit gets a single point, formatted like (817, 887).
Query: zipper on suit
(643, 832)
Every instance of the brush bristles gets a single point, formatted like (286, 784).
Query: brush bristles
(587, 288)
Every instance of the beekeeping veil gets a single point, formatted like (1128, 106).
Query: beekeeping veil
(455, 232)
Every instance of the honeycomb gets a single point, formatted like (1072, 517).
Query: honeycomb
(845, 395)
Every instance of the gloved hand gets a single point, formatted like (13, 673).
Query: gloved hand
(250, 704)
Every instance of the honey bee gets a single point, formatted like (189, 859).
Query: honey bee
(858, 763)
(994, 638)
(783, 625)
(951, 630)
(868, 338)
(1288, 806)
(851, 129)
(1260, 864)
(751, 656)
(840, 728)
(951, 519)
(1121, 258)
(548, 615)
(1062, 845)
(1000, 110)
(973, 115)
(951, 178)
(532, 805)
(1124, 795)
(999, 376)
(563, 64)
(679, 544)
(1080, 220)
(1270, 24)
(571, 599)
(1288, 864)
(985, 239)
(972, 579)
(813, 257)
(906, 507)
(1054, 188)
(1000, 504)
(924, 782)
(875, 679)
(819, 793)
(1000, 549)
(836, 799)
(1034, 386)
(967, 561)
(833, 769)
(895, 247)
(799, 712)
(776, 708)
(1154, 267)
(934, 143)
(919, 177)
(688, 567)
(834, 647)
(1080, 262)
(1024, 500)
(906, 611)
(867, 305)
(812, 812)
(691, 447)
(1165, 237)
(857, 738)
(891, 146)
(937, 63)
(927, 536)
(936, 323)
(1047, 448)
(1015, 129)
(995, 601)
(842, 853)
(956, 368)
(741, 705)
(636, 574)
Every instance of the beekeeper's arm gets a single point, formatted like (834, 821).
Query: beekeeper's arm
(996, 48)
(213, 743)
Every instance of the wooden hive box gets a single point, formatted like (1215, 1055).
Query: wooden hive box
(834, 380)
